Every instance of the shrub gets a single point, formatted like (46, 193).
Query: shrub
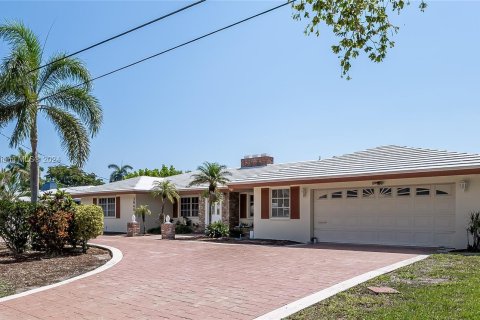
(182, 228)
(474, 230)
(217, 230)
(155, 230)
(87, 224)
(14, 224)
(50, 221)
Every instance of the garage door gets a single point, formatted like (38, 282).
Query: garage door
(407, 215)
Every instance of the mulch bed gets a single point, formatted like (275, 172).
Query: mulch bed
(35, 269)
(264, 242)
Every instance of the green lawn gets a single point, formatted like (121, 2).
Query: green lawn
(444, 286)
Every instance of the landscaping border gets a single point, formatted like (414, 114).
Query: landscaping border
(117, 256)
(291, 308)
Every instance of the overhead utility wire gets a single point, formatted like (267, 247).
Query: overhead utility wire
(120, 34)
(168, 50)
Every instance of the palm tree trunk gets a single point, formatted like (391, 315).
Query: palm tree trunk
(144, 227)
(162, 212)
(34, 175)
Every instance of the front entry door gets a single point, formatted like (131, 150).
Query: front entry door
(216, 213)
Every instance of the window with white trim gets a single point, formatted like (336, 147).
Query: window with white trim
(368, 193)
(189, 206)
(108, 206)
(352, 194)
(422, 191)
(281, 203)
(385, 192)
(443, 190)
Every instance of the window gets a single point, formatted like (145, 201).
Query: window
(351, 194)
(251, 205)
(108, 206)
(337, 195)
(323, 196)
(443, 190)
(281, 203)
(385, 192)
(189, 207)
(403, 192)
(420, 191)
(368, 193)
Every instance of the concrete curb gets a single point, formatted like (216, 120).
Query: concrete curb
(307, 301)
(116, 258)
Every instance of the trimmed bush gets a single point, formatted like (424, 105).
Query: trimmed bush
(87, 224)
(51, 220)
(14, 225)
(217, 230)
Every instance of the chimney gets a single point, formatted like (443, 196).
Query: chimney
(256, 160)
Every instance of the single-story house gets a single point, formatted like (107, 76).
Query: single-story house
(388, 195)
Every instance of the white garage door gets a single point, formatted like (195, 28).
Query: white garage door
(409, 215)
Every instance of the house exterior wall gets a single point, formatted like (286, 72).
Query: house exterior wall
(155, 206)
(301, 230)
(127, 207)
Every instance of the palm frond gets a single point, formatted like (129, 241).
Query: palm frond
(73, 135)
(60, 70)
(77, 100)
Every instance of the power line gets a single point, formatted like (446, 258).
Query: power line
(120, 34)
(161, 53)
(168, 50)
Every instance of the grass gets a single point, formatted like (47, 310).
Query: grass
(443, 286)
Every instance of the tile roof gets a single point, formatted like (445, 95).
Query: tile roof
(380, 160)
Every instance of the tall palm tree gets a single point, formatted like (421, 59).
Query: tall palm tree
(143, 211)
(213, 175)
(166, 191)
(119, 172)
(28, 91)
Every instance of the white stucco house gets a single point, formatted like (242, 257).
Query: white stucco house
(388, 195)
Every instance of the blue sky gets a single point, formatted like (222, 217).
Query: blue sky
(263, 86)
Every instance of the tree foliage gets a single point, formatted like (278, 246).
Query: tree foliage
(11, 187)
(28, 92)
(72, 176)
(143, 211)
(212, 175)
(163, 172)
(360, 25)
(119, 172)
(20, 163)
(165, 190)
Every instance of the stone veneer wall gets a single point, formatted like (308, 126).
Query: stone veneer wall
(233, 210)
(201, 214)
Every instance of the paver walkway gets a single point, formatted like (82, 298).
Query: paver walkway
(195, 280)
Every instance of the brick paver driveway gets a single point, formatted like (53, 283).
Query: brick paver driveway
(195, 280)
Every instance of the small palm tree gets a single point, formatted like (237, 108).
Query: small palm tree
(10, 185)
(119, 172)
(20, 163)
(28, 92)
(143, 211)
(213, 175)
(166, 191)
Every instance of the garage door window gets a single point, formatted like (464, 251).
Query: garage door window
(368, 193)
(352, 194)
(385, 193)
(280, 203)
(337, 195)
(403, 192)
(422, 191)
(443, 190)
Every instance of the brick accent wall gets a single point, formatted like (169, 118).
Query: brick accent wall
(256, 161)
